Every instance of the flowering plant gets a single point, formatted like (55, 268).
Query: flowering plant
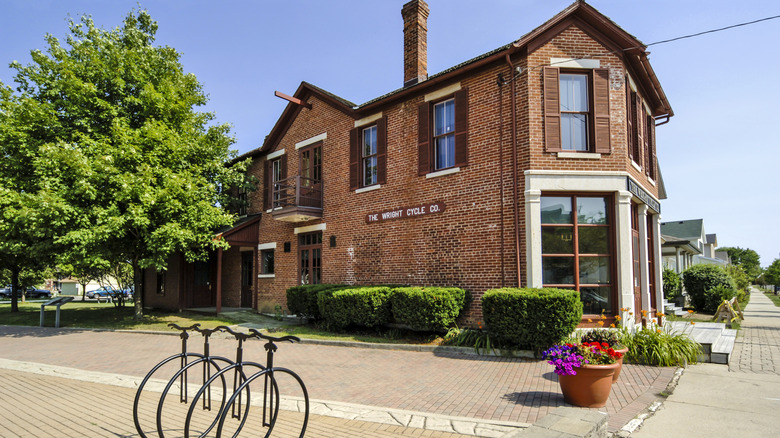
(567, 357)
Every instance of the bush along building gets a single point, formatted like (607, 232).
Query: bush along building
(533, 165)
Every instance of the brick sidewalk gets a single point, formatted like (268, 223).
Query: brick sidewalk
(757, 348)
(43, 406)
(446, 384)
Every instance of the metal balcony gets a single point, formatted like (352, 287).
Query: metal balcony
(297, 199)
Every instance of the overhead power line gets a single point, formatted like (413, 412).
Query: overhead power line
(715, 30)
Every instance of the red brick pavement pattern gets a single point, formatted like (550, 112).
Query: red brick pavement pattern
(45, 407)
(447, 384)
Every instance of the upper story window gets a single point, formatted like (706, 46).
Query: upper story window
(368, 154)
(576, 110)
(443, 133)
(275, 172)
(243, 201)
(369, 157)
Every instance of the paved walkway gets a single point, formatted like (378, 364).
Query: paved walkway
(742, 399)
(439, 387)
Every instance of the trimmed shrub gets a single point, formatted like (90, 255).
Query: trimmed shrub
(363, 306)
(302, 300)
(699, 279)
(427, 308)
(715, 296)
(672, 284)
(533, 319)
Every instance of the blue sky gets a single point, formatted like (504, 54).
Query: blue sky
(719, 159)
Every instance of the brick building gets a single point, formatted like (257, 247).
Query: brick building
(531, 165)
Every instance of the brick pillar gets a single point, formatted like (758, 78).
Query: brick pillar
(415, 14)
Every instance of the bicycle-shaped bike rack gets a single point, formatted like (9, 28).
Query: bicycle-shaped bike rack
(215, 370)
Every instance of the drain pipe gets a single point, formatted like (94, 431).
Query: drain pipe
(514, 167)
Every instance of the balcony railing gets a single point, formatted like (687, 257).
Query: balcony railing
(297, 199)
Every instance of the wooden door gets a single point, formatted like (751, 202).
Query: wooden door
(247, 274)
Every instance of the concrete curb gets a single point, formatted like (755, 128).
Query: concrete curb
(648, 412)
(566, 422)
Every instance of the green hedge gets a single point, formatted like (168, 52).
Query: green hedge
(533, 319)
(701, 281)
(427, 308)
(302, 300)
(672, 284)
(363, 306)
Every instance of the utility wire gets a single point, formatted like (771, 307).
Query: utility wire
(715, 30)
(747, 23)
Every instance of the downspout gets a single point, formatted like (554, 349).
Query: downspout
(514, 168)
(500, 83)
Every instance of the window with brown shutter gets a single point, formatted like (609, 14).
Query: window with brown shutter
(443, 133)
(368, 155)
(576, 110)
(633, 134)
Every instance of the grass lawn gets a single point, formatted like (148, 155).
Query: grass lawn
(90, 314)
(775, 299)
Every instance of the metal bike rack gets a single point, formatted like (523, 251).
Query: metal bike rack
(212, 371)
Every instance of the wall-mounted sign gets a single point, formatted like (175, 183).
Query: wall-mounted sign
(406, 212)
(640, 193)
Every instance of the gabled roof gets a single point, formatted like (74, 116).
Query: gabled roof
(580, 13)
(683, 230)
(712, 239)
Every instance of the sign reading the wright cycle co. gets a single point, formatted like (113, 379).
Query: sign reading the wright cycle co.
(406, 212)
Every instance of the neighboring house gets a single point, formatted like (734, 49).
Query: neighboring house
(685, 244)
(531, 165)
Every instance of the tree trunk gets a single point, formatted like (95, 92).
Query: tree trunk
(84, 292)
(138, 297)
(14, 289)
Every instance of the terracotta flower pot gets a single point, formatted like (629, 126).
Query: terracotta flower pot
(623, 351)
(590, 387)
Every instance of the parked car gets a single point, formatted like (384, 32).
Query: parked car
(102, 292)
(32, 292)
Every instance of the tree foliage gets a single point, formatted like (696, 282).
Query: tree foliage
(746, 258)
(772, 273)
(104, 129)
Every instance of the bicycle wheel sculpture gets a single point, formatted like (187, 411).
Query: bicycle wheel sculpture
(224, 391)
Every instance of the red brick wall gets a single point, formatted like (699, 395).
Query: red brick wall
(471, 244)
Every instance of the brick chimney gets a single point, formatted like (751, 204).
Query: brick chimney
(415, 15)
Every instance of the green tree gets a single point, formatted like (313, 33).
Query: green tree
(772, 273)
(746, 258)
(138, 174)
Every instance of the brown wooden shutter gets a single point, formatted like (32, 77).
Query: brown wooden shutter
(283, 167)
(461, 127)
(267, 192)
(381, 150)
(423, 138)
(552, 109)
(354, 158)
(629, 120)
(601, 121)
(651, 153)
(637, 128)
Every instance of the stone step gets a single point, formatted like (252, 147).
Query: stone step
(717, 342)
(722, 348)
